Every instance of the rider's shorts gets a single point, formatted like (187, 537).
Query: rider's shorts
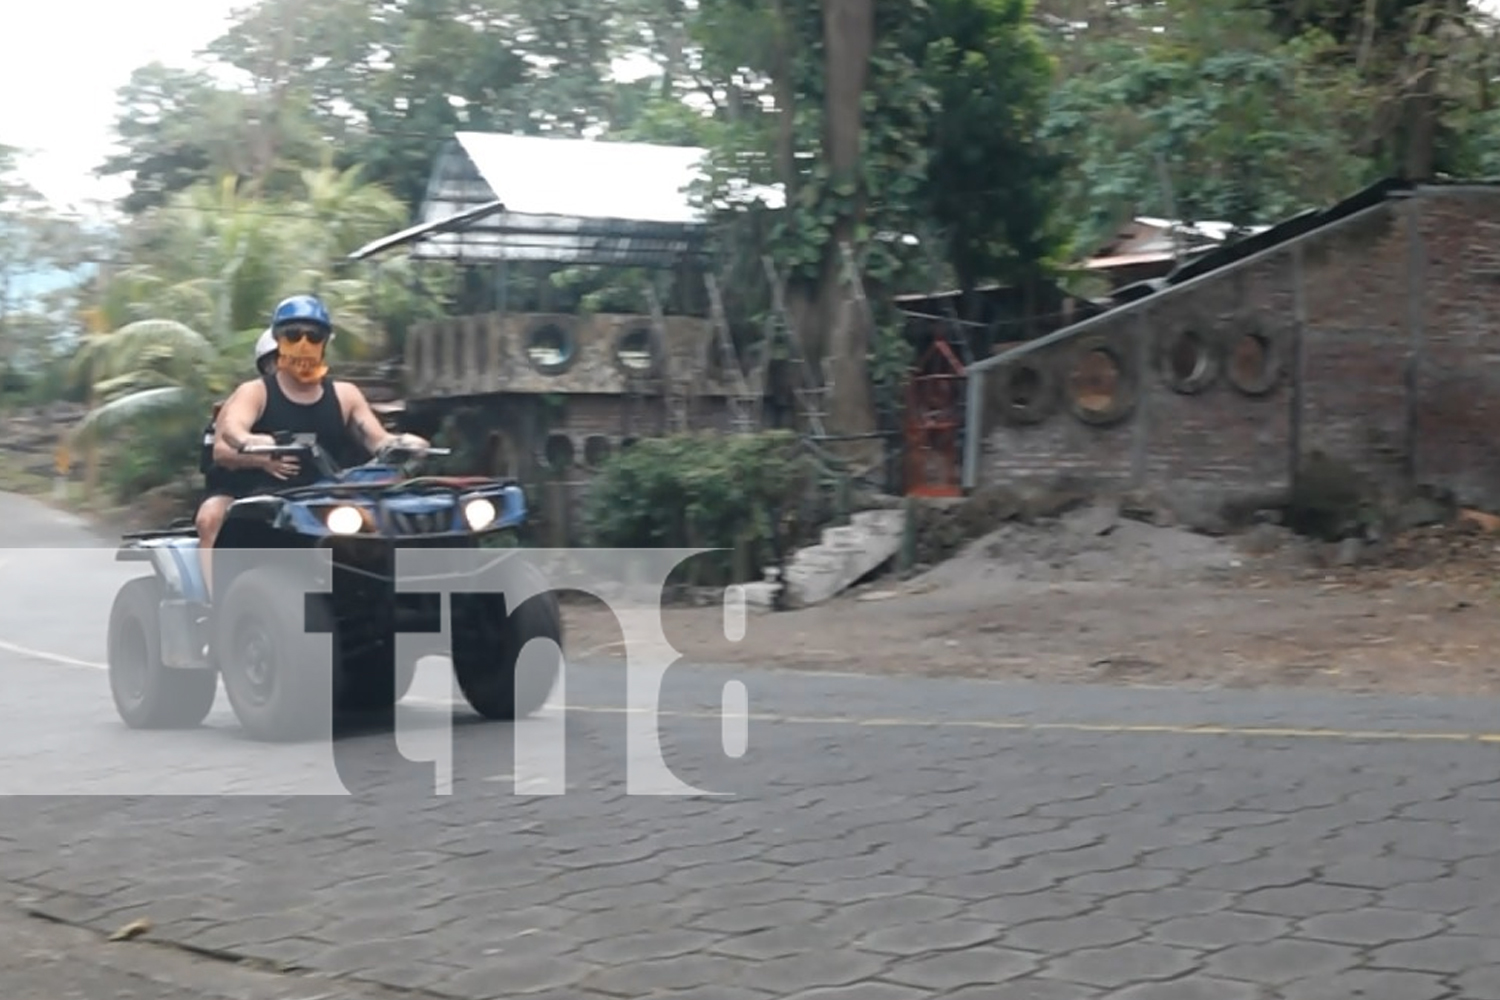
(236, 483)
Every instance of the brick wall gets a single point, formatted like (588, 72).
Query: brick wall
(1457, 416)
(1352, 317)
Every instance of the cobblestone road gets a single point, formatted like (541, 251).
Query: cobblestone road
(880, 838)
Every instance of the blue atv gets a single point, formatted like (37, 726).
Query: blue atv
(169, 644)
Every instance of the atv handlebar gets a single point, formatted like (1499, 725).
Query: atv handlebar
(425, 451)
(299, 449)
(309, 446)
(273, 449)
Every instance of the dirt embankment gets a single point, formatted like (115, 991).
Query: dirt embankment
(1088, 593)
(29, 438)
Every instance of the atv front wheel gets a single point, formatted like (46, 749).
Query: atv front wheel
(487, 645)
(147, 693)
(277, 672)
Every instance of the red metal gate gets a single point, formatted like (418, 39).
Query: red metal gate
(934, 422)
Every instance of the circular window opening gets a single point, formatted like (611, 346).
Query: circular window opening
(635, 350)
(1188, 358)
(1250, 358)
(1095, 381)
(548, 348)
(1025, 386)
(559, 451)
(596, 450)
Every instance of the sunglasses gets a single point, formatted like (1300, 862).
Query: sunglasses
(312, 334)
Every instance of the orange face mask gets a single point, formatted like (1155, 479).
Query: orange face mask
(301, 354)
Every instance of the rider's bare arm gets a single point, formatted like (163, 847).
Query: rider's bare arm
(232, 428)
(363, 421)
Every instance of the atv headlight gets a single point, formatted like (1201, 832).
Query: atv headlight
(479, 513)
(345, 520)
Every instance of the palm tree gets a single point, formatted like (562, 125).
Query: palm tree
(208, 269)
(158, 369)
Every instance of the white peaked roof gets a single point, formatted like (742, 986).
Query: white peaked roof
(495, 197)
(587, 179)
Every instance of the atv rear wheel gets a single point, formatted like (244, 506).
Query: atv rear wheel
(148, 694)
(277, 672)
(487, 646)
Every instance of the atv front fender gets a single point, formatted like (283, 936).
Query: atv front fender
(174, 561)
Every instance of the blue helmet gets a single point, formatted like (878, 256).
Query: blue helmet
(302, 308)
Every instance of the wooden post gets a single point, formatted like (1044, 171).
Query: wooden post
(64, 462)
(908, 557)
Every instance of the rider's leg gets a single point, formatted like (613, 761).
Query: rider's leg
(209, 520)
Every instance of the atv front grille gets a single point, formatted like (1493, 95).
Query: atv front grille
(431, 523)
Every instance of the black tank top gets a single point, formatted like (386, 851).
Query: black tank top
(325, 418)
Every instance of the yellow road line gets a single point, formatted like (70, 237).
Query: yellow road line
(1105, 728)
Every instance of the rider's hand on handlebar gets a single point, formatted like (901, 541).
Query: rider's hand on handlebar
(257, 441)
(281, 466)
(408, 442)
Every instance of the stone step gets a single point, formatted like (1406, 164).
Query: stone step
(847, 536)
(824, 571)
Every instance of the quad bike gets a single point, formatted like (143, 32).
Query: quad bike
(262, 633)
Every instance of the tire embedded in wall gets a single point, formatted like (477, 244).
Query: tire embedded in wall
(1025, 391)
(1270, 346)
(1127, 383)
(1179, 342)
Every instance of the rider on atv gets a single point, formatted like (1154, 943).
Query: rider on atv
(217, 480)
(220, 485)
(299, 397)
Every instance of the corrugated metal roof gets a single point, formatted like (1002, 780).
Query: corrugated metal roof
(494, 197)
(1129, 259)
(1208, 229)
(428, 229)
(1147, 234)
(1219, 258)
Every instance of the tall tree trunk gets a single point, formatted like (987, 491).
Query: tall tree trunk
(800, 298)
(844, 334)
(1419, 159)
(1419, 107)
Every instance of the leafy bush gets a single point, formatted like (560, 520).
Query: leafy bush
(704, 491)
(163, 455)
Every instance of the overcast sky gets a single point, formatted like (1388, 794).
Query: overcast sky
(60, 64)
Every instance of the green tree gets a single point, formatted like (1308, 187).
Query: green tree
(878, 121)
(993, 186)
(1421, 62)
(178, 127)
(1198, 111)
(388, 81)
